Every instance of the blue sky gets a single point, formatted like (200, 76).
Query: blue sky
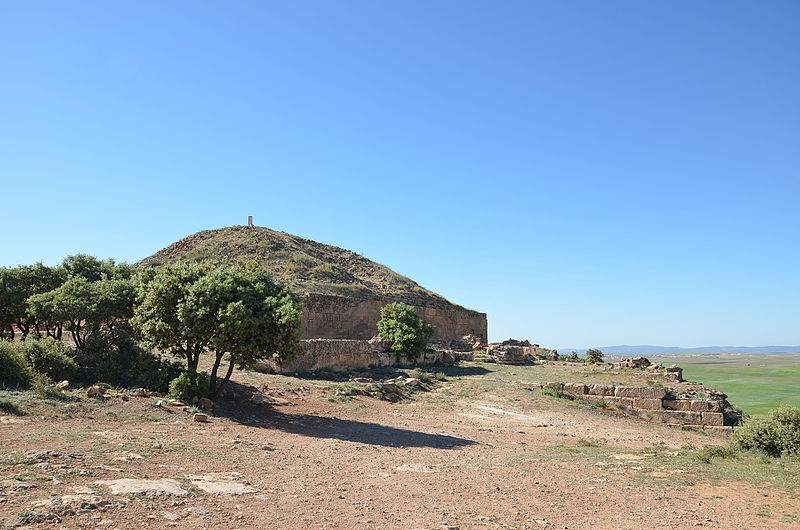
(587, 173)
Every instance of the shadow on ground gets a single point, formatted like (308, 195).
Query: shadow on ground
(336, 428)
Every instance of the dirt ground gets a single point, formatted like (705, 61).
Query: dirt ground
(473, 451)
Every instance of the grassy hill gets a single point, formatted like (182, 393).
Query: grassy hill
(305, 265)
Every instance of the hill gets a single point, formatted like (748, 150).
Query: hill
(306, 266)
(648, 349)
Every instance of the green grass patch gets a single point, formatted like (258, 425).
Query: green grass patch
(756, 383)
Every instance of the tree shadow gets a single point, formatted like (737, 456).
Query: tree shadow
(340, 429)
(389, 372)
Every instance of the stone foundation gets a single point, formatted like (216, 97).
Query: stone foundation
(653, 404)
(342, 355)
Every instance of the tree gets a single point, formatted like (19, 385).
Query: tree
(239, 311)
(159, 317)
(401, 325)
(247, 316)
(594, 355)
(17, 285)
(83, 307)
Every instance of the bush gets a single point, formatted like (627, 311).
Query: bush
(9, 408)
(15, 372)
(189, 385)
(42, 386)
(710, 452)
(776, 435)
(50, 357)
(408, 333)
(114, 357)
(594, 355)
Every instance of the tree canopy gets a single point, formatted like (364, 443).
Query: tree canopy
(236, 311)
(401, 325)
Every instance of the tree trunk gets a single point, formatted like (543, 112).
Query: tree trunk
(227, 377)
(213, 383)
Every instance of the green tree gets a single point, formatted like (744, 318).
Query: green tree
(594, 355)
(236, 311)
(159, 315)
(247, 316)
(401, 325)
(17, 285)
(83, 307)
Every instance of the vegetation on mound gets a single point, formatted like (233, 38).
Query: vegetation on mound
(302, 264)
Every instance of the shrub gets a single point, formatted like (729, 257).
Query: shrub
(114, 357)
(594, 355)
(408, 333)
(42, 386)
(50, 357)
(15, 372)
(189, 385)
(776, 435)
(710, 452)
(8, 407)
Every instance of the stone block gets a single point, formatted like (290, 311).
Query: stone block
(627, 391)
(713, 418)
(647, 403)
(682, 416)
(652, 392)
(611, 400)
(691, 427)
(601, 390)
(553, 387)
(706, 406)
(575, 388)
(676, 404)
(718, 429)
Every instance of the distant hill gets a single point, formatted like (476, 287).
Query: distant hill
(641, 350)
(305, 265)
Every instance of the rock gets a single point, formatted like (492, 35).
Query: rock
(63, 385)
(200, 417)
(206, 404)
(176, 403)
(169, 516)
(139, 392)
(258, 399)
(95, 391)
(634, 362)
(131, 486)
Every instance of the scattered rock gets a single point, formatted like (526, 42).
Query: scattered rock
(222, 483)
(139, 392)
(416, 468)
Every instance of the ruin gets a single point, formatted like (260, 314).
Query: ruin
(342, 292)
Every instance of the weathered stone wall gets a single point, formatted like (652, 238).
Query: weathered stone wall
(653, 404)
(339, 317)
(343, 355)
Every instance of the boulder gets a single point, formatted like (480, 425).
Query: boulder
(206, 404)
(200, 417)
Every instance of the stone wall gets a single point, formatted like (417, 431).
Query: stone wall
(342, 355)
(654, 404)
(339, 317)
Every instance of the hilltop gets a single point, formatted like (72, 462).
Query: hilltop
(306, 266)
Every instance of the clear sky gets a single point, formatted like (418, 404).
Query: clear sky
(587, 173)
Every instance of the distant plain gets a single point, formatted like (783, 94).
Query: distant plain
(757, 383)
